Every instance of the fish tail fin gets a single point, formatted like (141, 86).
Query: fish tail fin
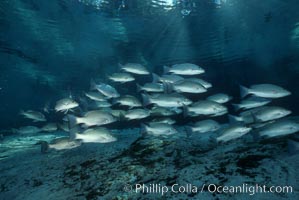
(120, 66)
(93, 84)
(166, 69)
(143, 128)
(146, 99)
(244, 91)
(139, 88)
(73, 133)
(293, 147)
(122, 117)
(156, 78)
(189, 131)
(170, 87)
(72, 121)
(234, 119)
(167, 87)
(114, 101)
(21, 112)
(44, 146)
(218, 140)
(185, 111)
(213, 141)
(255, 119)
(236, 106)
(109, 77)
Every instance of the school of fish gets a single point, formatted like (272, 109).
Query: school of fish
(155, 106)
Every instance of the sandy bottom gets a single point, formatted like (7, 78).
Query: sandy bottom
(138, 167)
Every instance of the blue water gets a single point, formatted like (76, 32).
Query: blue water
(50, 50)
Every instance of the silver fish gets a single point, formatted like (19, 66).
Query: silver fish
(121, 77)
(50, 127)
(166, 100)
(232, 132)
(137, 114)
(201, 81)
(246, 117)
(94, 135)
(205, 107)
(184, 69)
(102, 104)
(159, 129)
(66, 104)
(279, 128)
(261, 114)
(163, 120)
(167, 78)
(185, 86)
(150, 87)
(96, 96)
(220, 98)
(203, 127)
(59, 144)
(251, 102)
(92, 118)
(271, 113)
(34, 115)
(162, 111)
(265, 90)
(128, 100)
(134, 68)
(105, 89)
(27, 130)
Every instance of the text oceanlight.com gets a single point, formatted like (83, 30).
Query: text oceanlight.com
(211, 188)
